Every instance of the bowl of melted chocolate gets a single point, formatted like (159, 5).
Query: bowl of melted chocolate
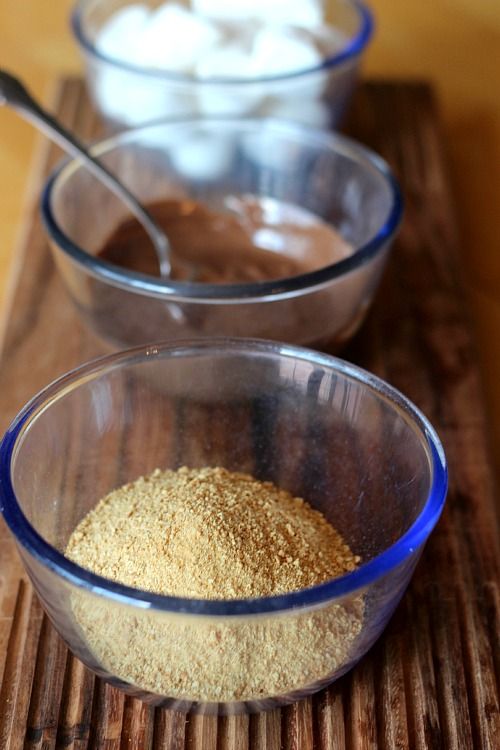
(276, 231)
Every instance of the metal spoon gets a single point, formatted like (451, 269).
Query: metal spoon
(15, 95)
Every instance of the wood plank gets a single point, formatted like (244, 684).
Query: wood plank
(233, 732)
(76, 706)
(421, 694)
(19, 668)
(201, 732)
(431, 682)
(391, 691)
(297, 726)
(265, 730)
(41, 730)
(169, 730)
(330, 718)
(361, 719)
(137, 728)
(107, 717)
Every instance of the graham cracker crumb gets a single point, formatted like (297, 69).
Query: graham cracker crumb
(213, 534)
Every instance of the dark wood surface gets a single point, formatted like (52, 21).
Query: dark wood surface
(431, 681)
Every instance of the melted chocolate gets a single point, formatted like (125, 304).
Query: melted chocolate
(250, 239)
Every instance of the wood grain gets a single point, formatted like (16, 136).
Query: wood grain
(41, 732)
(76, 706)
(431, 681)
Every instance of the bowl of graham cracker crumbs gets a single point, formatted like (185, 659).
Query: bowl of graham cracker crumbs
(220, 525)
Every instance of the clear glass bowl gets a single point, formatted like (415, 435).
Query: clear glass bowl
(127, 94)
(323, 429)
(330, 175)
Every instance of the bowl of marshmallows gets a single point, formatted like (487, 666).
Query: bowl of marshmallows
(153, 59)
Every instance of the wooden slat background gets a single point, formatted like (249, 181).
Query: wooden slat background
(431, 681)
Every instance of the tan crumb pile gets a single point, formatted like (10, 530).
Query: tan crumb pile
(213, 534)
(209, 534)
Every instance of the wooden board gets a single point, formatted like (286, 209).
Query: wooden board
(431, 681)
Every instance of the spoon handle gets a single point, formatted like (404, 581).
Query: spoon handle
(16, 96)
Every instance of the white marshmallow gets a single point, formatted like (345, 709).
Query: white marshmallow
(238, 40)
(214, 99)
(203, 157)
(281, 50)
(175, 106)
(305, 13)
(174, 38)
(311, 112)
(228, 61)
(127, 101)
(119, 37)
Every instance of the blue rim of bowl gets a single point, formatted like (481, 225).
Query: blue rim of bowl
(260, 291)
(352, 49)
(342, 586)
